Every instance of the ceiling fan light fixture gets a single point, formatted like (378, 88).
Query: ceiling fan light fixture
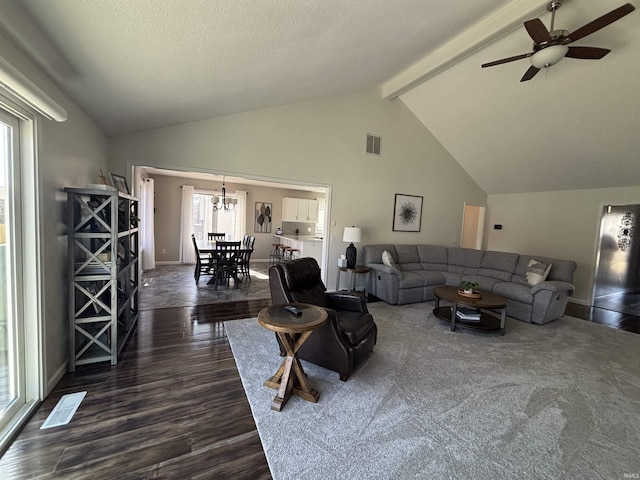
(549, 56)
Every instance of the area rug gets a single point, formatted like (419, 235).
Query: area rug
(560, 400)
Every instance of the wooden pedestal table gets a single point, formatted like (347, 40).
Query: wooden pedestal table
(293, 331)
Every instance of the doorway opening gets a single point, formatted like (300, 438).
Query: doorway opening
(617, 280)
(473, 219)
(260, 189)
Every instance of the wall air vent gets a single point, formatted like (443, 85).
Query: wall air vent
(373, 144)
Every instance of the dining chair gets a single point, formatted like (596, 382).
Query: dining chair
(226, 264)
(244, 258)
(228, 245)
(216, 236)
(204, 263)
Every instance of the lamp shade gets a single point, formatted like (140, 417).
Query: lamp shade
(549, 56)
(352, 234)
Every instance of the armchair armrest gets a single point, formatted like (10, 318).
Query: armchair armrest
(346, 301)
(553, 286)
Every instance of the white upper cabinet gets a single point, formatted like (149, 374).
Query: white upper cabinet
(299, 210)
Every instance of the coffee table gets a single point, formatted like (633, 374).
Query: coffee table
(293, 332)
(488, 301)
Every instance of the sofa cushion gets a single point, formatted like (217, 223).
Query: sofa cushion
(500, 265)
(421, 278)
(464, 260)
(407, 254)
(514, 291)
(433, 257)
(561, 270)
(537, 272)
(372, 254)
(407, 257)
(431, 278)
(484, 283)
(388, 259)
(411, 280)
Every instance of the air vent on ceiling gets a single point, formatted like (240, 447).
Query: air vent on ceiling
(373, 144)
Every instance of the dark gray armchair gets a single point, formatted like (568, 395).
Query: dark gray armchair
(349, 334)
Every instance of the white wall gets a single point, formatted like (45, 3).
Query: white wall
(69, 154)
(562, 224)
(323, 142)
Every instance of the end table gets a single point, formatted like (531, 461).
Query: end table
(293, 332)
(353, 277)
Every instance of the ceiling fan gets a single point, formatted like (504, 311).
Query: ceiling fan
(550, 46)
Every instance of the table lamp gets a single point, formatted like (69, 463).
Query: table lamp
(353, 235)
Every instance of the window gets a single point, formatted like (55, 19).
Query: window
(207, 219)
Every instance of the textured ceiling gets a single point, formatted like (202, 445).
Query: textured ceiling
(139, 64)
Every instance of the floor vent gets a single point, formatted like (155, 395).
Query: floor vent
(373, 144)
(64, 410)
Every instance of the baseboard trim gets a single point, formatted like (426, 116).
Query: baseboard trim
(53, 381)
(579, 301)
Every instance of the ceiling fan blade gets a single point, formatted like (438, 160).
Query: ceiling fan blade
(600, 22)
(507, 60)
(537, 31)
(529, 74)
(587, 53)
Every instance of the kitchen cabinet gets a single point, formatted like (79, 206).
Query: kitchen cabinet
(313, 248)
(299, 210)
(289, 209)
(307, 209)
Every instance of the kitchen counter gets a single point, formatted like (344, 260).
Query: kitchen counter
(307, 245)
(300, 238)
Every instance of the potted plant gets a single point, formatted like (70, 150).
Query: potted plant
(468, 287)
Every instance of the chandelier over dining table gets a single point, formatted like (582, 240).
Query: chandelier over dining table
(224, 202)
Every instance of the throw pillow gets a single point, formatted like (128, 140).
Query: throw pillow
(388, 259)
(537, 272)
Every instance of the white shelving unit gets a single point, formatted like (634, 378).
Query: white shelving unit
(103, 273)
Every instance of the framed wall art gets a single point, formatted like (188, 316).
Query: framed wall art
(407, 213)
(264, 211)
(120, 183)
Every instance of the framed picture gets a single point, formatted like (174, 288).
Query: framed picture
(120, 183)
(407, 213)
(264, 212)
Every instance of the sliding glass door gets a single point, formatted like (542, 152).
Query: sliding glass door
(12, 353)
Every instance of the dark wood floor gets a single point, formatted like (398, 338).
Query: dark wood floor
(174, 406)
(620, 311)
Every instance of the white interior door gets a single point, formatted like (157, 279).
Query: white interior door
(473, 226)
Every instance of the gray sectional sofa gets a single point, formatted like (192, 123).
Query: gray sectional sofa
(421, 268)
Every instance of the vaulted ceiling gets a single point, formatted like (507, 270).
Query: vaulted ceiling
(139, 64)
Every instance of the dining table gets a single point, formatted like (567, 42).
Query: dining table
(210, 247)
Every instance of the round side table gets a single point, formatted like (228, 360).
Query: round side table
(293, 332)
